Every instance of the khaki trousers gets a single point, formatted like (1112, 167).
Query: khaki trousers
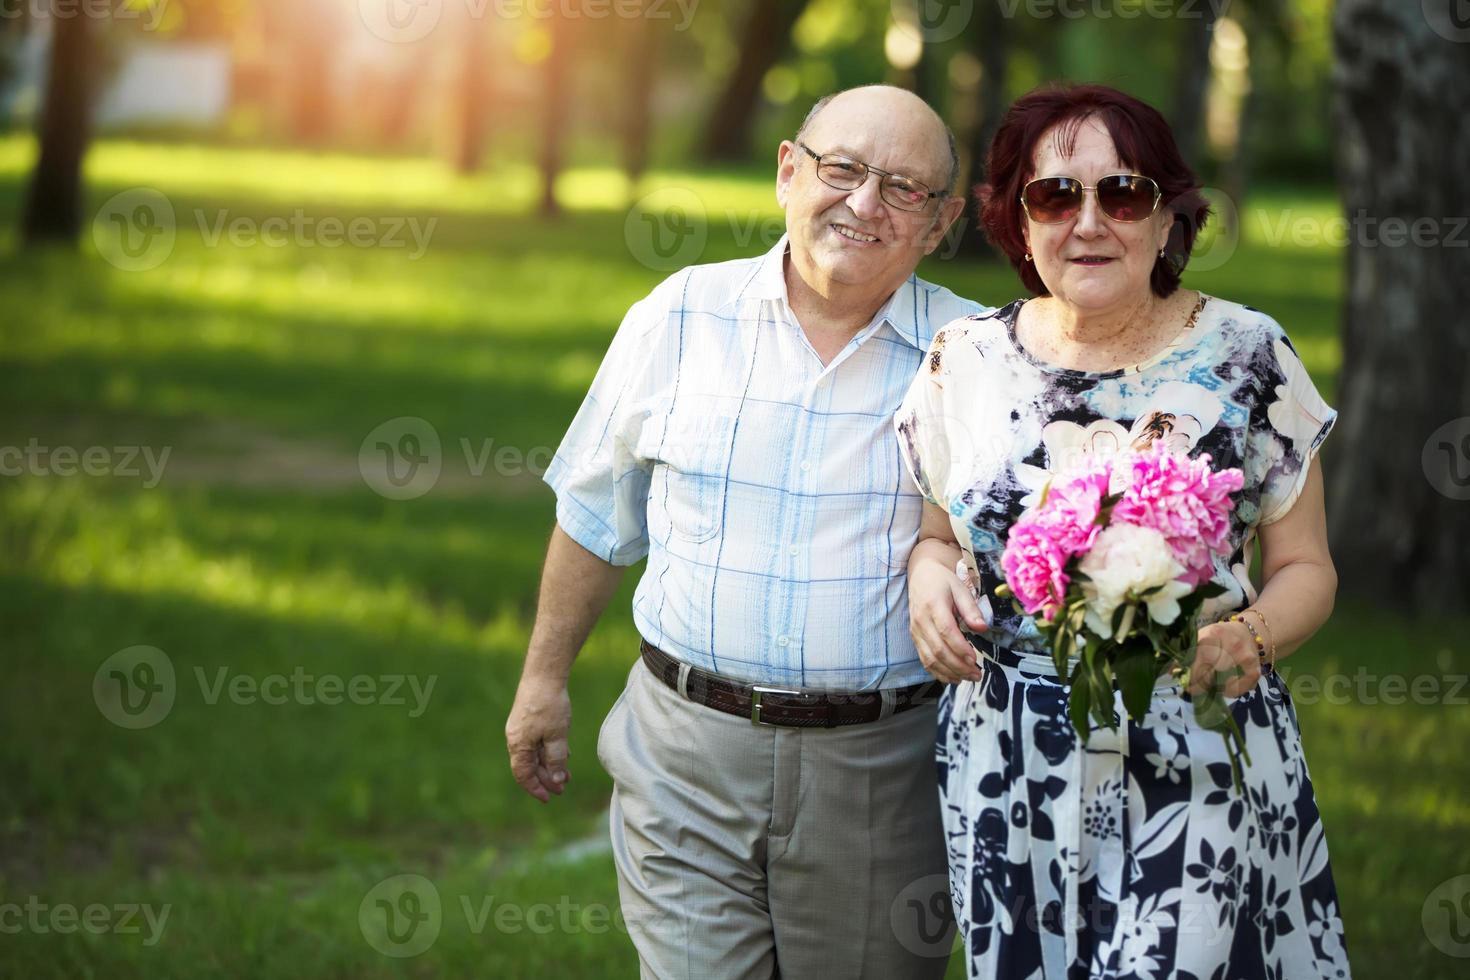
(748, 851)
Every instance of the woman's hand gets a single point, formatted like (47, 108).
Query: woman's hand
(937, 601)
(1227, 652)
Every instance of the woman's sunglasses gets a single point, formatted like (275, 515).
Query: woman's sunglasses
(1122, 197)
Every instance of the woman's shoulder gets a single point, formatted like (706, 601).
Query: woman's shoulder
(979, 329)
(1245, 323)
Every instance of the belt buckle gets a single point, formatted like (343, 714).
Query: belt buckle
(756, 691)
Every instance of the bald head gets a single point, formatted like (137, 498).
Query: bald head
(892, 110)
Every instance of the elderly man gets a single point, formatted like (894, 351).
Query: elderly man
(775, 809)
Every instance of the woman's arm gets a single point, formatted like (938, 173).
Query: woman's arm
(937, 599)
(1297, 595)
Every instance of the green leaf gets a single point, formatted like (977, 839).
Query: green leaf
(1136, 670)
(1118, 615)
(1080, 701)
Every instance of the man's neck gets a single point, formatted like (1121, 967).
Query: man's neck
(831, 310)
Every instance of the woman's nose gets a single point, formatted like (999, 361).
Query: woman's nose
(1090, 218)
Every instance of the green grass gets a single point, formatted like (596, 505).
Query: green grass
(261, 551)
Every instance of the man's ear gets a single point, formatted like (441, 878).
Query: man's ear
(949, 209)
(785, 169)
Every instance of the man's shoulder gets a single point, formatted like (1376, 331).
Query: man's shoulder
(705, 287)
(945, 304)
(938, 306)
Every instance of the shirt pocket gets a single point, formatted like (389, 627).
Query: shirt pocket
(693, 451)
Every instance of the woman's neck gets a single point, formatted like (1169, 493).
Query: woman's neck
(1102, 329)
(1095, 340)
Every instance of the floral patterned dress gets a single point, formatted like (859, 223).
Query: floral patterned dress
(1128, 854)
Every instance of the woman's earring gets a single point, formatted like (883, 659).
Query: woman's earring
(1161, 252)
(1028, 256)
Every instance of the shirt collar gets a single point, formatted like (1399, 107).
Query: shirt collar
(906, 310)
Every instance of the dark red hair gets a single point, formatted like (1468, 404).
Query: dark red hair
(1144, 142)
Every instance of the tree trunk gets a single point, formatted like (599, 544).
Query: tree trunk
(766, 38)
(1192, 82)
(311, 103)
(638, 121)
(53, 209)
(988, 43)
(554, 115)
(1399, 467)
(467, 140)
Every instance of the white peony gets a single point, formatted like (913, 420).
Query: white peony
(1129, 562)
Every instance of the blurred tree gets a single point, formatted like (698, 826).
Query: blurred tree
(1398, 533)
(554, 115)
(470, 93)
(642, 62)
(312, 32)
(765, 40)
(988, 43)
(1192, 79)
(53, 207)
(404, 96)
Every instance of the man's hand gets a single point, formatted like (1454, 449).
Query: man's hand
(937, 601)
(575, 586)
(536, 736)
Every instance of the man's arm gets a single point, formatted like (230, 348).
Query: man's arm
(937, 601)
(575, 587)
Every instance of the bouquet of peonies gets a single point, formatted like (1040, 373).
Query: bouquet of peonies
(1116, 560)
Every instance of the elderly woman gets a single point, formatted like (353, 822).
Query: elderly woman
(1129, 853)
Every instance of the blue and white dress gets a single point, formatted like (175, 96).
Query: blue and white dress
(1129, 854)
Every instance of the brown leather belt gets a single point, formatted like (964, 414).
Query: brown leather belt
(781, 706)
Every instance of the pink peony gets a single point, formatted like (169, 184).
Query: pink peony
(1035, 568)
(1072, 507)
(1186, 502)
(1047, 537)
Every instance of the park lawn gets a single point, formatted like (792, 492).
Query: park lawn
(262, 550)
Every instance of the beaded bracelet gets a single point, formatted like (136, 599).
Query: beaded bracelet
(1265, 625)
(1260, 643)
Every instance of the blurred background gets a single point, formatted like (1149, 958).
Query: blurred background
(298, 296)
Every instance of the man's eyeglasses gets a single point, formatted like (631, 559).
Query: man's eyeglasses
(847, 174)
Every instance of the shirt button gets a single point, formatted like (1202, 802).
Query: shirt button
(806, 466)
(782, 641)
(793, 551)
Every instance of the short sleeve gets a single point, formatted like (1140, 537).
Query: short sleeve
(601, 482)
(923, 441)
(1289, 427)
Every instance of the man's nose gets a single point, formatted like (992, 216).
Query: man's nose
(866, 202)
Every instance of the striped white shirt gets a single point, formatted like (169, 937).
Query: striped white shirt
(765, 488)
